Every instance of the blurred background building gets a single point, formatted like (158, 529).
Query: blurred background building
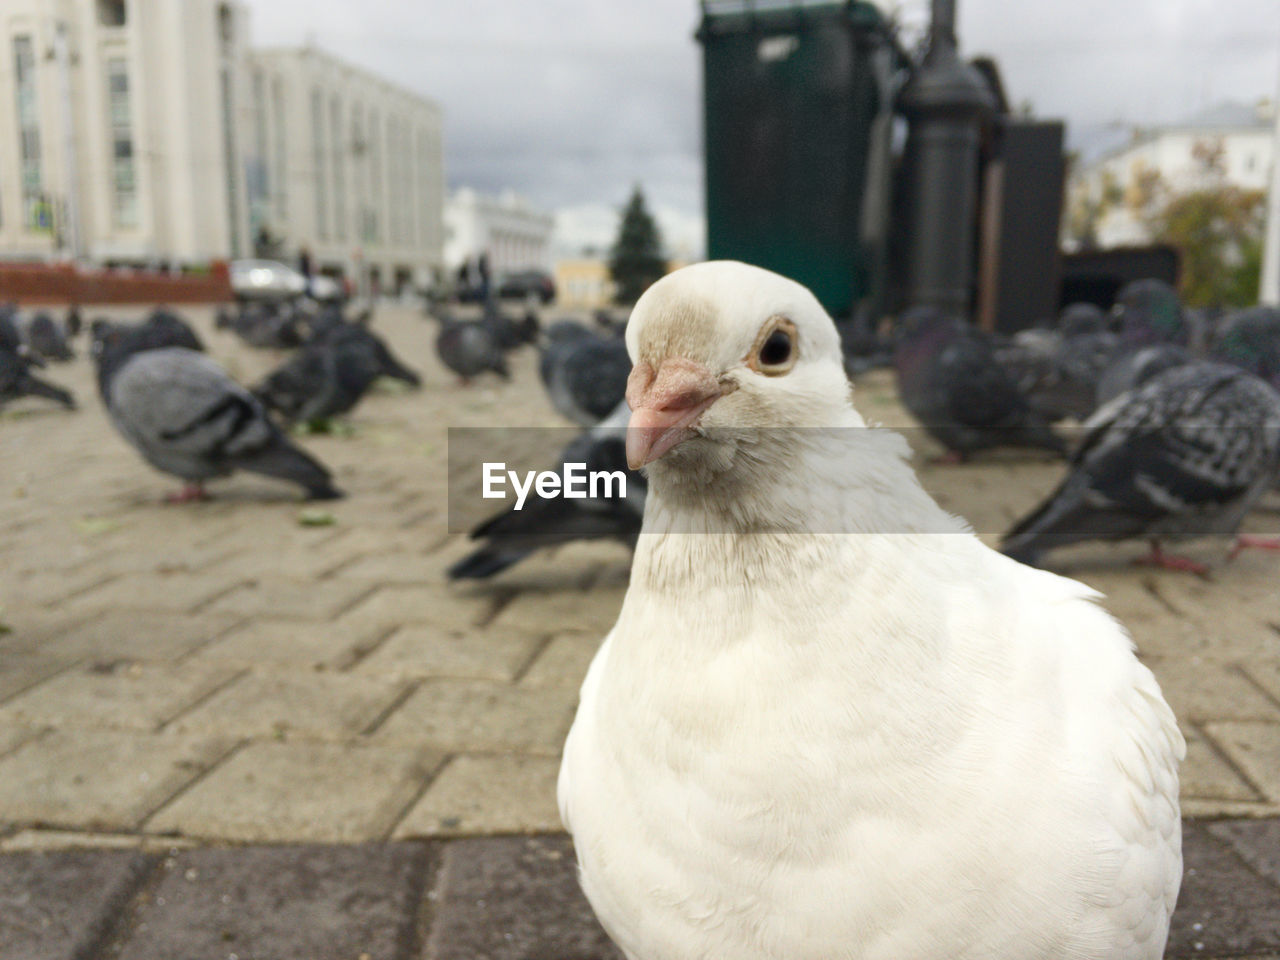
(127, 145)
(515, 235)
(147, 132)
(1111, 197)
(345, 165)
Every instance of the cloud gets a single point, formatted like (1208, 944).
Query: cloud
(573, 103)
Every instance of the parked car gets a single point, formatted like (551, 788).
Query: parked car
(273, 280)
(527, 283)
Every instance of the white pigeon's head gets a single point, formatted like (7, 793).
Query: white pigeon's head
(721, 352)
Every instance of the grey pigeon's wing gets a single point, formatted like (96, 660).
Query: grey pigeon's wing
(1186, 453)
(185, 414)
(592, 380)
(1133, 368)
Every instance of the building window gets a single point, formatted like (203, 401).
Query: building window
(339, 171)
(358, 147)
(281, 178)
(317, 159)
(34, 208)
(424, 189)
(124, 183)
(111, 13)
(373, 227)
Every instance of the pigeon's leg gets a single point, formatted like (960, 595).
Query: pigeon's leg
(952, 458)
(190, 492)
(1245, 541)
(1172, 561)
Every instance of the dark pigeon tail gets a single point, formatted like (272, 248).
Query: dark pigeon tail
(36, 387)
(284, 461)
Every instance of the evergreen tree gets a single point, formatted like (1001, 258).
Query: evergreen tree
(636, 259)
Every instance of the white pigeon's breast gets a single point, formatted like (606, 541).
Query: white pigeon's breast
(761, 800)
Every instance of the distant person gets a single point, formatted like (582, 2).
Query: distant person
(482, 267)
(304, 265)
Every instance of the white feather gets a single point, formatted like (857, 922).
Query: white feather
(890, 743)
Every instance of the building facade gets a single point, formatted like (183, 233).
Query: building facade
(514, 235)
(148, 132)
(120, 136)
(1231, 144)
(345, 166)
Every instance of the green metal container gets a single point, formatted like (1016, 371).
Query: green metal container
(797, 118)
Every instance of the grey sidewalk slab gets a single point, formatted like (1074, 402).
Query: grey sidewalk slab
(513, 898)
(317, 903)
(58, 905)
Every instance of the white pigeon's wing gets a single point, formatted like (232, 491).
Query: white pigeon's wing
(572, 774)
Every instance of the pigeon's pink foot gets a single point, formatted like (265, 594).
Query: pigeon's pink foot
(464, 381)
(952, 458)
(1247, 541)
(1172, 561)
(189, 493)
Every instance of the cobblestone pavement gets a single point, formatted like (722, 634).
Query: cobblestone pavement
(211, 675)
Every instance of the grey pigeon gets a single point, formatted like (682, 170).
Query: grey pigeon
(167, 327)
(1058, 370)
(187, 417)
(1148, 312)
(1185, 454)
(509, 333)
(1250, 339)
(275, 326)
(585, 376)
(1134, 368)
(319, 382)
(512, 535)
(357, 339)
(951, 381)
(469, 348)
(17, 381)
(45, 337)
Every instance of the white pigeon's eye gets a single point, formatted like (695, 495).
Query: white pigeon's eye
(774, 352)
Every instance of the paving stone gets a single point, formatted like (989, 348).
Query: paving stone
(142, 635)
(276, 643)
(514, 898)
(395, 566)
(303, 791)
(563, 662)
(396, 606)
(1256, 841)
(1198, 690)
(303, 561)
(1224, 908)
(593, 612)
(472, 716)
(1205, 775)
(138, 696)
(1255, 748)
(317, 903)
(295, 704)
(488, 794)
(421, 651)
(60, 905)
(99, 779)
(41, 588)
(22, 669)
(173, 592)
(1266, 673)
(281, 597)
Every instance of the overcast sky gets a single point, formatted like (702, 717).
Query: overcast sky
(571, 103)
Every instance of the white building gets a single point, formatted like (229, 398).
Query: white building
(514, 235)
(147, 131)
(1229, 144)
(347, 166)
(119, 136)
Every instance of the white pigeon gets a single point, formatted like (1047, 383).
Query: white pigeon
(830, 723)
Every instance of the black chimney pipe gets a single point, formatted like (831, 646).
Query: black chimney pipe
(947, 103)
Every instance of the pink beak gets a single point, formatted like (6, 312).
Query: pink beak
(665, 406)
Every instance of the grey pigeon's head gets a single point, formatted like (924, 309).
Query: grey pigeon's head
(1250, 340)
(919, 335)
(1149, 312)
(720, 351)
